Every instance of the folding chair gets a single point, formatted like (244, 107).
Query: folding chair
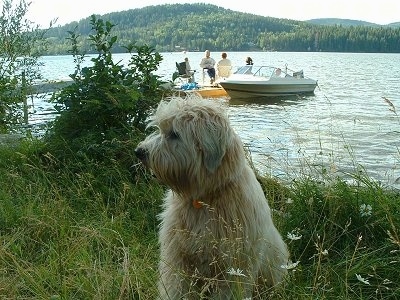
(183, 74)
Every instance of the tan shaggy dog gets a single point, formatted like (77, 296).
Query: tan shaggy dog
(217, 238)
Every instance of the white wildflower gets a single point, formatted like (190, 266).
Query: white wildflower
(363, 280)
(289, 201)
(293, 236)
(387, 281)
(236, 272)
(365, 210)
(324, 252)
(290, 265)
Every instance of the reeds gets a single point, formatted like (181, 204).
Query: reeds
(392, 108)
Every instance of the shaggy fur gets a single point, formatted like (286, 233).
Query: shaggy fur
(215, 217)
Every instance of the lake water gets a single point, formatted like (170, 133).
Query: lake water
(344, 128)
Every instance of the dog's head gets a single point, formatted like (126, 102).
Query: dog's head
(193, 146)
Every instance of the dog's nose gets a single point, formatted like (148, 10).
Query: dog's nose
(140, 153)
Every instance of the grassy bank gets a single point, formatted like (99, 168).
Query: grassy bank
(80, 231)
(88, 230)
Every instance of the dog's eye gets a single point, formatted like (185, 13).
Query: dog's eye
(172, 135)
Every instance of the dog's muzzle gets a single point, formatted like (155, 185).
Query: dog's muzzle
(141, 153)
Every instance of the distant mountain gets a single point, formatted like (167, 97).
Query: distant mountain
(348, 22)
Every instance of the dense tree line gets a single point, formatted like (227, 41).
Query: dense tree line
(193, 27)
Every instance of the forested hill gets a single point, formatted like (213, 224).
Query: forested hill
(195, 27)
(348, 22)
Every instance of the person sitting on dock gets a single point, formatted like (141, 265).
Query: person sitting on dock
(224, 66)
(189, 71)
(208, 63)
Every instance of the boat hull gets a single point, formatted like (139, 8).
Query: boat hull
(252, 89)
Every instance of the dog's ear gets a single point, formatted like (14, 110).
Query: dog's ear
(213, 153)
(214, 145)
(209, 127)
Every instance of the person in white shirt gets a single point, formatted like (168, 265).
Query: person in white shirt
(208, 63)
(224, 66)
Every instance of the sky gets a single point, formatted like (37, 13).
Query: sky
(383, 12)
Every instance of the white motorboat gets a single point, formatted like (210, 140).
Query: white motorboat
(265, 81)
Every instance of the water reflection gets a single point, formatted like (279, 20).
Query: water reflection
(261, 101)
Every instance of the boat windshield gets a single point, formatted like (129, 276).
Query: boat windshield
(244, 70)
(264, 71)
(268, 71)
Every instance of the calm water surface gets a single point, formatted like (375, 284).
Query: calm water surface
(345, 127)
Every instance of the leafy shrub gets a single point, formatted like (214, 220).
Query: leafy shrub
(106, 102)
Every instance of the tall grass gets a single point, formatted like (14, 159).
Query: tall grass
(88, 230)
(81, 231)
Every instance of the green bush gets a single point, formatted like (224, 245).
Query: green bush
(106, 106)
